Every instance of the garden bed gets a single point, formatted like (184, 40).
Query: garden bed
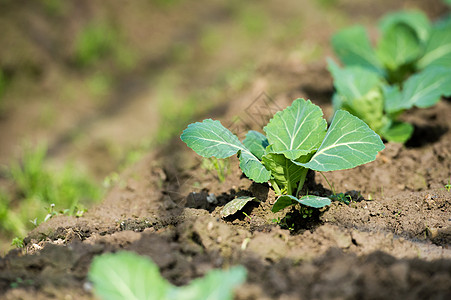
(391, 241)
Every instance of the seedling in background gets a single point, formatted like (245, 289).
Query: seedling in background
(297, 139)
(410, 67)
(408, 43)
(366, 95)
(125, 275)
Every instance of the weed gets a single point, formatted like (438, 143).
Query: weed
(17, 242)
(250, 219)
(341, 197)
(39, 190)
(221, 166)
(305, 211)
(99, 40)
(448, 186)
(19, 282)
(285, 222)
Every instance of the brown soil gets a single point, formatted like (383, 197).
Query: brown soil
(392, 241)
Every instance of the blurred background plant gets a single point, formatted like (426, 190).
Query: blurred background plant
(37, 193)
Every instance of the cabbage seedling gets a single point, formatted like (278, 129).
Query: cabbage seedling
(368, 96)
(408, 43)
(126, 275)
(297, 139)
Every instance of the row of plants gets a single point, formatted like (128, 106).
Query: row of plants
(409, 67)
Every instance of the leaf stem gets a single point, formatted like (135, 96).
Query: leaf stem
(275, 186)
(301, 181)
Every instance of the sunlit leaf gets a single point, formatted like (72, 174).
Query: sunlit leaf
(314, 201)
(297, 130)
(235, 205)
(349, 142)
(282, 202)
(209, 138)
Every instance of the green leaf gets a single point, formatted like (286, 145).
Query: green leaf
(297, 130)
(283, 201)
(125, 275)
(349, 142)
(256, 142)
(314, 201)
(438, 49)
(353, 83)
(216, 284)
(423, 89)
(398, 46)
(209, 138)
(309, 200)
(235, 205)
(416, 20)
(285, 172)
(393, 98)
(353, 47)
(253, 168)
(398, 132)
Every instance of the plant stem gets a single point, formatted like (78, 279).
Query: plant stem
(275, 186)
(301, 181)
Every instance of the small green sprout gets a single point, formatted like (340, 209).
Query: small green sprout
(306, 212)
(17, 242)
(448, 186)
(285, 222)
(221, 166)
(250, 219)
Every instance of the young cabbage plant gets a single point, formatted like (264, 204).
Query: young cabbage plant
(125, 275)
(297, 139)
(408, 43)
(368, 96)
